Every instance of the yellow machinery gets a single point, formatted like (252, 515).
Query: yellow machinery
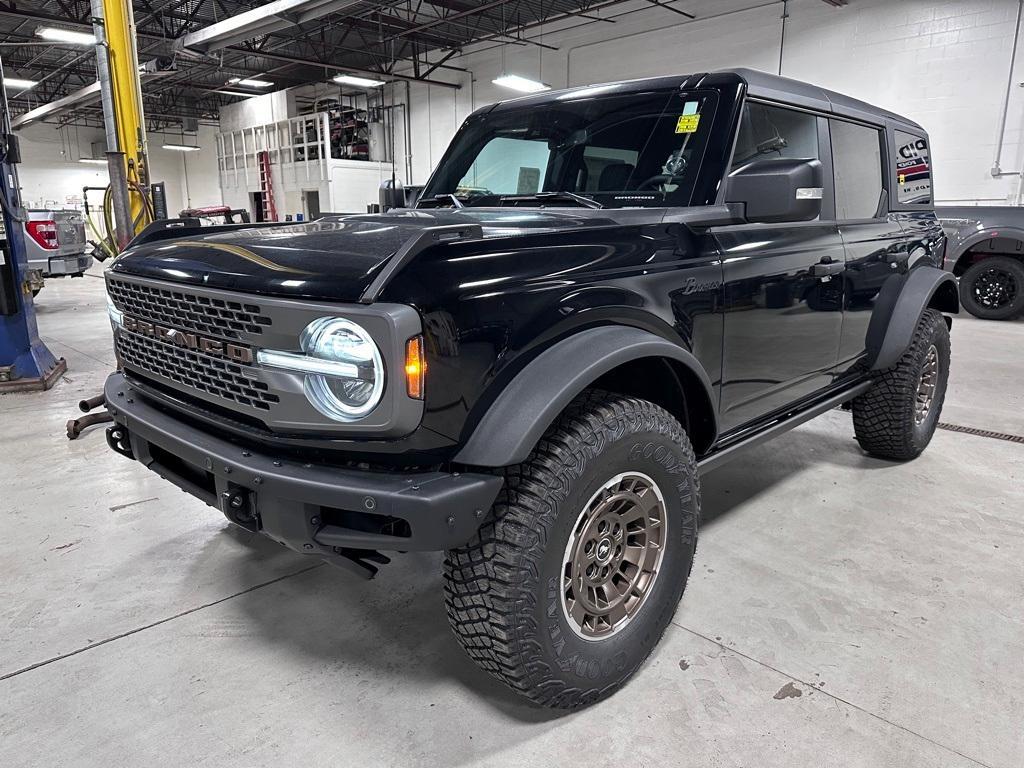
(127, 206)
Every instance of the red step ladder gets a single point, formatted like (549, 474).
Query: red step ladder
(267, 187)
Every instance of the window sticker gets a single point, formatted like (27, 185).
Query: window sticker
(690, 119)
(687, 123)
(529, 181)
(913, 169)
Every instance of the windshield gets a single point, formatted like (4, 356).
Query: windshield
(638, 149)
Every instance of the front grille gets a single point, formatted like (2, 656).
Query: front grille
(182, 309)
(220, 378)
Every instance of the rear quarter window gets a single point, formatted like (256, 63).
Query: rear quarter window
(913, 169)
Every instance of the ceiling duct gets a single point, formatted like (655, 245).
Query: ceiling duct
(78, 98)
(270, 17)
(72, 101)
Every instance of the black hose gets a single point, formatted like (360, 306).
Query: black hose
(15, 215)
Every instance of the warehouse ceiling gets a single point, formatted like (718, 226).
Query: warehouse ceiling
(308, 42)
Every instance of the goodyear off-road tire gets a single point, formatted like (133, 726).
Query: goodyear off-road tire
(608, 499)
(993, 288)
(896, 418)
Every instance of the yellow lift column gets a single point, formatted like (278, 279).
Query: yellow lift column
(115, 26)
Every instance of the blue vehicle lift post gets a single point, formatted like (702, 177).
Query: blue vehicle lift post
(25, 362)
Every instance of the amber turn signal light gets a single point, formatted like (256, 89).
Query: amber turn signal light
(415, 367)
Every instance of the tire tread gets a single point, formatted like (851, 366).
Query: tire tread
(883, 417)
(489, 604)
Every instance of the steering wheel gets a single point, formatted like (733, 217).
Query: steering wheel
(657, 180)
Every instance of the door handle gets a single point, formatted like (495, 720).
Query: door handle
(827, 267)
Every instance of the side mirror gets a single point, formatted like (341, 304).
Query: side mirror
(777, 189)
(391, 195)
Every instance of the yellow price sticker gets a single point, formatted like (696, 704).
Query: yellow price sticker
(687, 123)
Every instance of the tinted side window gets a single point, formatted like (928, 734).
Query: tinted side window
(857, 162)
(767, 131)
(913, 169)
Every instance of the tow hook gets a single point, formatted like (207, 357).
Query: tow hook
(119, 441)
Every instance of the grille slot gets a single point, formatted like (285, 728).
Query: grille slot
(220, 378)
(182, 309)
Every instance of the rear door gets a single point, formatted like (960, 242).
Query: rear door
(874, 240)
(782, 324)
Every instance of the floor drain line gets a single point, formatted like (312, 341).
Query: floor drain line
(981, 432)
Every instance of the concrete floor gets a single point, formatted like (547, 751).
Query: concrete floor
(842, 611)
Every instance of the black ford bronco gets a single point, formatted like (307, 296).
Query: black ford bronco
(601, 294)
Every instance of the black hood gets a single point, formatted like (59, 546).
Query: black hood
(334, 258)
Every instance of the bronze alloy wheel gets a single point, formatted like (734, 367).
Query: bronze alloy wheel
(926, 385)
(613, 555)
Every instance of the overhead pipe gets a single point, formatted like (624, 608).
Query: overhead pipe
(997, 170)
(782, 39)
(267, 18)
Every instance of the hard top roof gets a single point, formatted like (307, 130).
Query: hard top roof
(759, 84)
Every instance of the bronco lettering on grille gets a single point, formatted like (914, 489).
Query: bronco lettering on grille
(188, 340)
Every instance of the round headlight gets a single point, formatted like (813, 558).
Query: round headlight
(355, 394)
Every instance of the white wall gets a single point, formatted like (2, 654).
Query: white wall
(258, 110)
(50, 173)
(52, 176)
(943, 64)
(191, 177)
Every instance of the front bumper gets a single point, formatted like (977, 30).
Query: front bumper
(344, 514)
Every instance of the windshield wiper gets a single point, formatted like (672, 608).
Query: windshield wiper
(586, 202)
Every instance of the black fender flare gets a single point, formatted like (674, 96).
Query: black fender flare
(898, 309)
(531, 402)
(990, 233)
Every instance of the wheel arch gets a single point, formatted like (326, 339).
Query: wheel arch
(901, 302)
(964, 256)
(624, 360)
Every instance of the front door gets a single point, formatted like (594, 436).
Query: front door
(783, 287)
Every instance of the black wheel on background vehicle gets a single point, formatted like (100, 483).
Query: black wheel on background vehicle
(569, 586)
(896, 418)
(993, 288)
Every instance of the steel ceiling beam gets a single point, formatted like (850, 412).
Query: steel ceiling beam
(443, 19)
(373, 38)
(344, 68)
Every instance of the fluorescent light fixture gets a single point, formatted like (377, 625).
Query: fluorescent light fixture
(181, 147)
(59, 35)
(249, 82)
(362, 82)
(237, 93)
(93, 160)
(19, 83)
(519, 83)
